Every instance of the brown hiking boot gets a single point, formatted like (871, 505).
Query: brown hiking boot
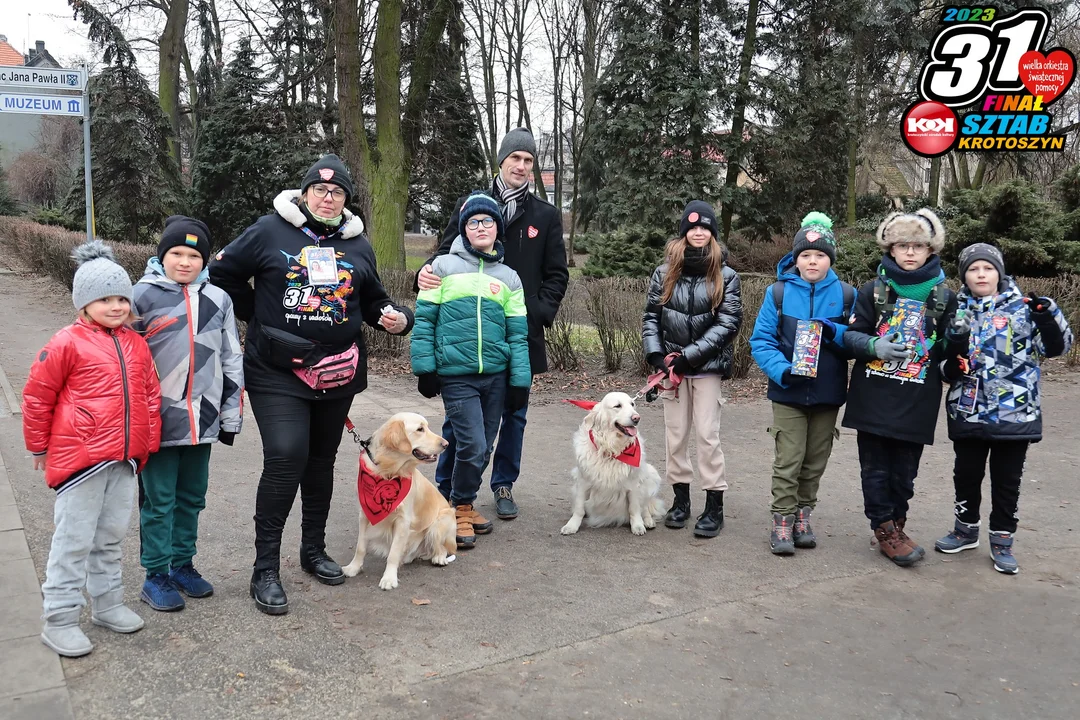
(480, 524)
(466, 538)
(891, 546)
(900, 522)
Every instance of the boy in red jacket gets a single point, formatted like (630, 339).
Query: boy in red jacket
(91, 418)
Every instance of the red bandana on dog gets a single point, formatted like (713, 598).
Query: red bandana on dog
(631, 455)
(380, 496)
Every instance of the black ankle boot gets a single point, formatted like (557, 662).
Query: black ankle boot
(680, 511)
(315, 561)
(268, 593)
(711, 522)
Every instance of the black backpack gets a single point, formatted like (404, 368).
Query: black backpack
(885, 301)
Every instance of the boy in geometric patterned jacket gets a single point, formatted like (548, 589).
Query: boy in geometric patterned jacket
(992, 365)
(191, 330)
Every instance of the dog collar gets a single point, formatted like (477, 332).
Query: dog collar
(380, 496)
(630, 456)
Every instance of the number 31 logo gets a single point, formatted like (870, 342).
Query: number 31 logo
(969, 58)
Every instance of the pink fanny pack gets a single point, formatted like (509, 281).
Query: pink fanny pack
(332, 371)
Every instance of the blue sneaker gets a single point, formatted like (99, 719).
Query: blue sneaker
(1001, 550)
(188, 580)
(962, 537)
(159, 593)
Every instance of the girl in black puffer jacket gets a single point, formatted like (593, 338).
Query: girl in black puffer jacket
(693, 315)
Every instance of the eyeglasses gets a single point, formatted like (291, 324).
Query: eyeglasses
(321, 191)
(917, 248)
(486, 222)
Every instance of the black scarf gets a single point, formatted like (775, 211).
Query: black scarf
(900, 276)
(496, 255)
(695, 260)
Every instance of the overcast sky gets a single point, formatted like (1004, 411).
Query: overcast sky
(51, 21)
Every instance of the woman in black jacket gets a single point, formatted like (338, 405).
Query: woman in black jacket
(304, 356)
(693, 314)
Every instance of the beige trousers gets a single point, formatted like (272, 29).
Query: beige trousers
(697, 408)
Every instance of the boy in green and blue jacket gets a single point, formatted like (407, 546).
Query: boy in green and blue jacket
(470, 343)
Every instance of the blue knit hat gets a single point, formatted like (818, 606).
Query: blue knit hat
(480, 203)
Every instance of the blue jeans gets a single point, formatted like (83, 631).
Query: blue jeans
(889, 467)
(473, 405)
(507, 463)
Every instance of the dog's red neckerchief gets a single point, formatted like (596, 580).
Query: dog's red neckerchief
(631, 455)
(380, 496)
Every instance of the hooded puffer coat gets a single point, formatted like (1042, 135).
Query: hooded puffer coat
(687, 323)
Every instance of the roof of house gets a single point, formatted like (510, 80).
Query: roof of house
(9, 55)
(41, 58)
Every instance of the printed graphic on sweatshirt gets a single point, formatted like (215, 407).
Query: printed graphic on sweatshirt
(907, 319)
(306, 302)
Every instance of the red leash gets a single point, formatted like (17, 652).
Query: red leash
(654, 383)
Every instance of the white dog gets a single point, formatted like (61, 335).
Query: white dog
(613, 485)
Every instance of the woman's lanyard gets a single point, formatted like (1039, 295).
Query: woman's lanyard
(312, 235)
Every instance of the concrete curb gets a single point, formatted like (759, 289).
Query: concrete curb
(32, 683)
(9, 393)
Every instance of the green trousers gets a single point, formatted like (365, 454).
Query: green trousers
(172, 493)
(804, 439)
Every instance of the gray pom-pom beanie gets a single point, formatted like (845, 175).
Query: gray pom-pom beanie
(98, 275)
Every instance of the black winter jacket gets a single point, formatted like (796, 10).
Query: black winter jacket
(895, 400)
(535, 250)
(687, 324)
(283, 301)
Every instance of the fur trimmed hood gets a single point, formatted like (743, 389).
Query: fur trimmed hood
(286, 206)
(920, 226)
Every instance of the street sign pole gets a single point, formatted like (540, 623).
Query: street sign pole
(86, 163)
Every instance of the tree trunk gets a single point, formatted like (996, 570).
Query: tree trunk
(398, 135)
(738, 118)
(935, 180)
(980, 173)
(852, 177)
(193, 99)
(170, 52)
(962, 167)
(354, 144)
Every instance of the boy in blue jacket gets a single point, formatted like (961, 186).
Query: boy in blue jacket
(804, 406)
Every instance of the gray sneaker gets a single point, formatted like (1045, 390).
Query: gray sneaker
(780, 541)
(1001, 550)
(505, 507)
(962, 537)
(804, 534)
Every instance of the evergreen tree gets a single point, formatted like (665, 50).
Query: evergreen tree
(449, 162)
(8, 206)
(657, 102)
(136, 183)
(246, 153)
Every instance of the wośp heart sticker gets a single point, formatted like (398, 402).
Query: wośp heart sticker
(1048, 75)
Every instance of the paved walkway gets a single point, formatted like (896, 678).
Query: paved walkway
(531, 624)
(32, 685)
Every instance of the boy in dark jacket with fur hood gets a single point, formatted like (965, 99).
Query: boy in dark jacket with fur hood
(809, 306)
(993, 402)
(693, 314)
(897, 337)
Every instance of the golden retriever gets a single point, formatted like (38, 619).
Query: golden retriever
(422, 525)
(608, 491)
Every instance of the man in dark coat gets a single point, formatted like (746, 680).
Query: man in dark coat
(534, 248)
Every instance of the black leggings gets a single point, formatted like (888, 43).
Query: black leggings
(300, 440)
